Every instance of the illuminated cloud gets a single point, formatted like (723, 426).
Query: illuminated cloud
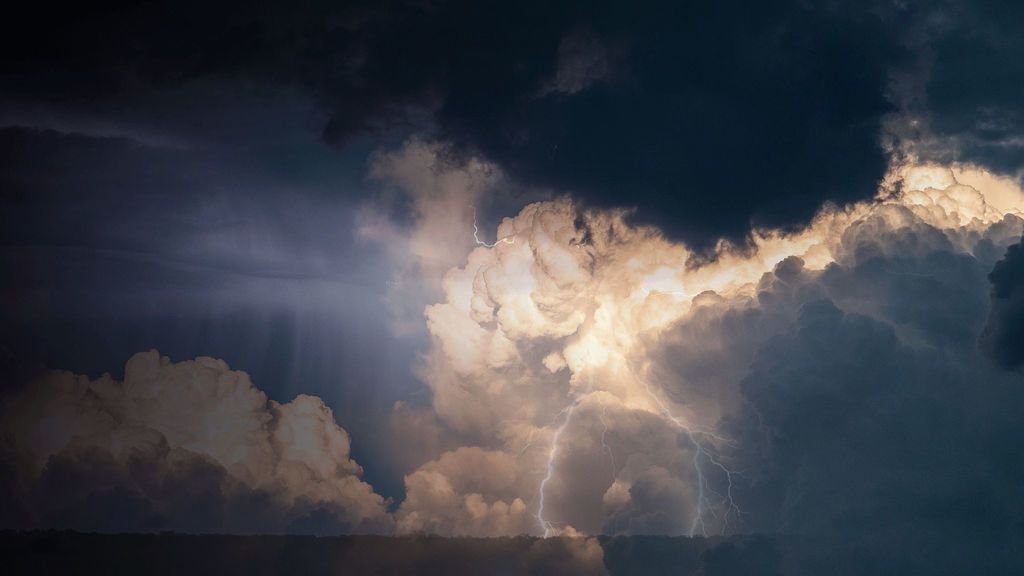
(607, 371)
(446, 496)
(186, 446)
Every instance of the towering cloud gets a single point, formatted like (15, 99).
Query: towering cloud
(188, 446)
(610, 380)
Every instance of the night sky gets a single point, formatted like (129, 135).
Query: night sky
(547, 268)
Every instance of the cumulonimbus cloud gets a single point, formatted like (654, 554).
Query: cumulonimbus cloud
(606, 376)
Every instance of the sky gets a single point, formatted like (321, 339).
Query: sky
(540, 268)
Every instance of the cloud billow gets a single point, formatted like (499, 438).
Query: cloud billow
(591, 376)
(189, 446)
(836, 372)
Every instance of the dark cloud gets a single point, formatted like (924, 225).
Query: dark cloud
(705, 118)
(869, 420)
(877, 447)
(60, 552)
(702, 117)
(974, 93)
(583, 60)
(716, 117)
(1004, 334)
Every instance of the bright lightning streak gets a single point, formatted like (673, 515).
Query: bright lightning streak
(703, 485)
(700, 450)
(568, 412)
(701, 453)
(545, 524)
(510, 239)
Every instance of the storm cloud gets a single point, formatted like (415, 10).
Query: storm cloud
(656, 98)
(577, 270)
(1003, 338)
(596, 366)
(829, 380)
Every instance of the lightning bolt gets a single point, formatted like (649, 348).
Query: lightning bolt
(510, 239)
(701, 451)
(709, 500)
(567, 412)
(705, 505)
(545, 524)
